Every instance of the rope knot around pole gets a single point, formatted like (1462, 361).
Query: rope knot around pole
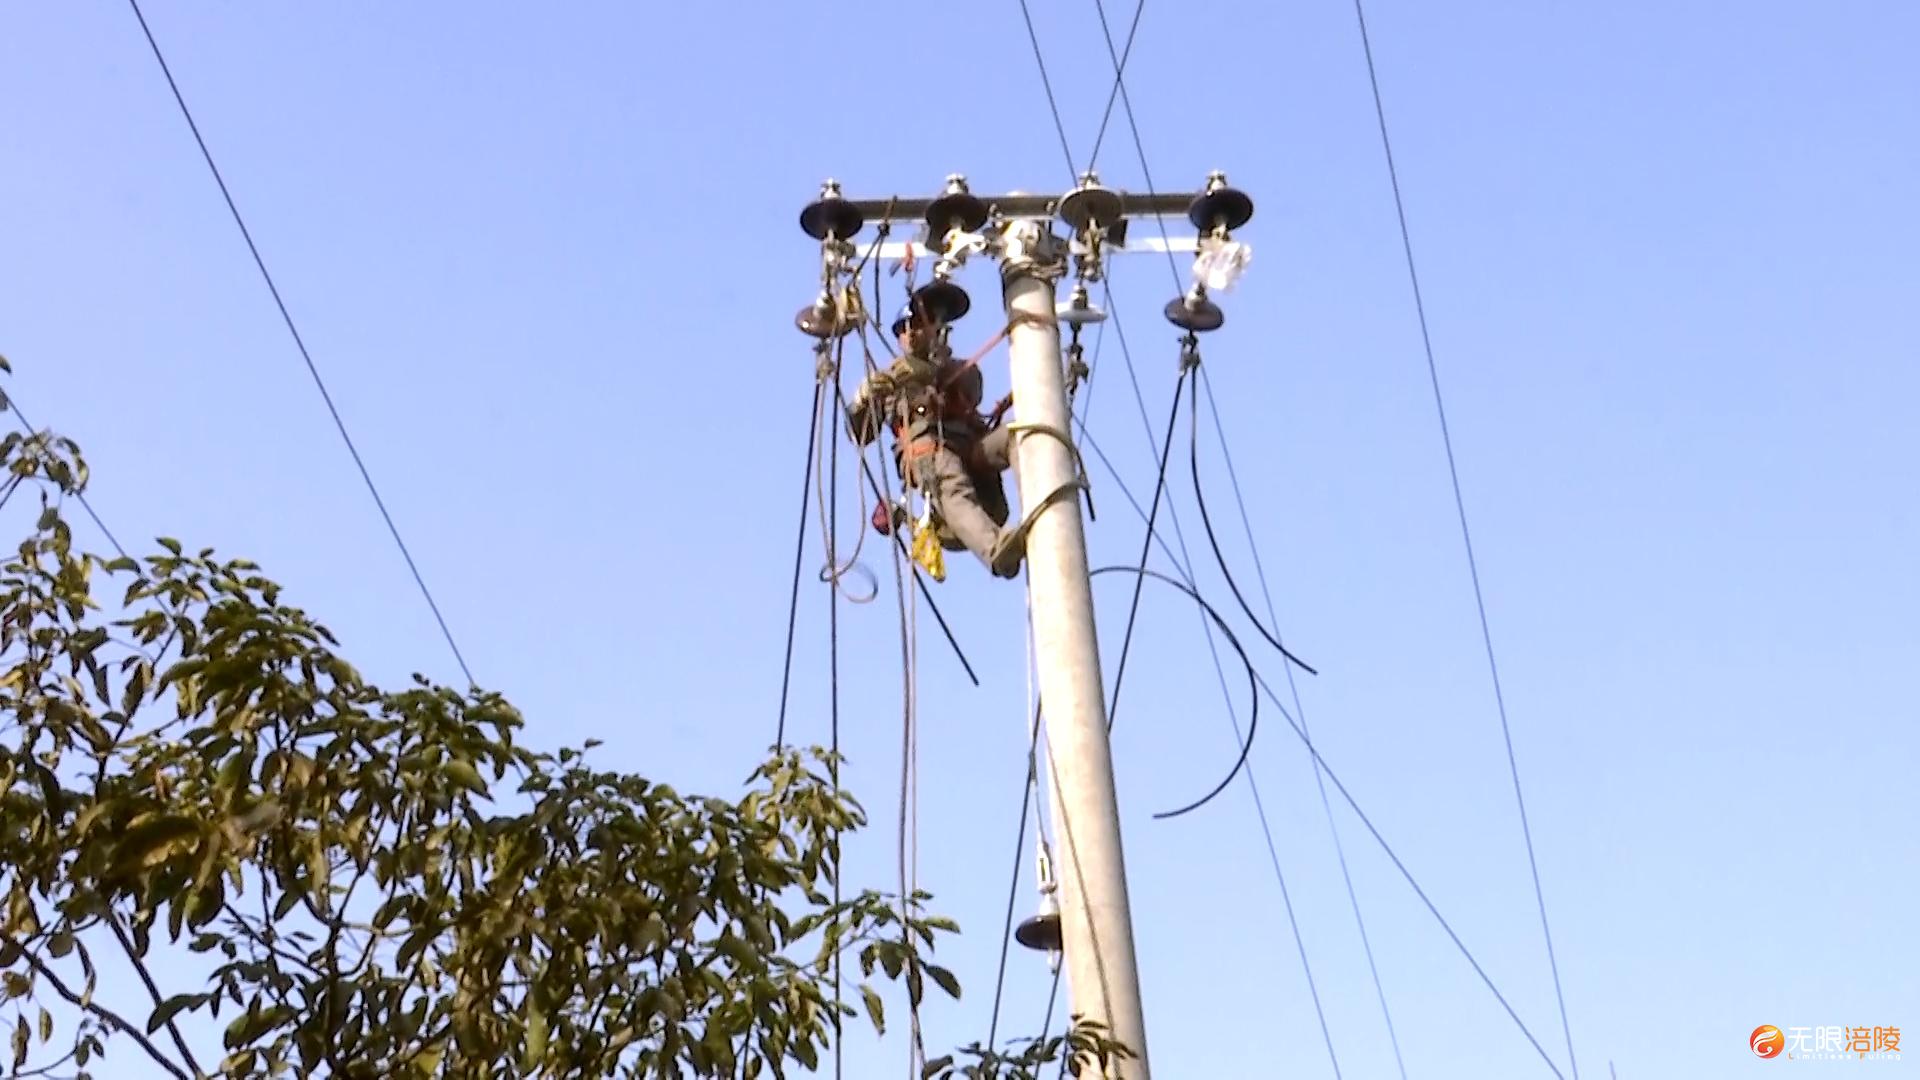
(1080, 481)
(1189, 353)
(1033, 319)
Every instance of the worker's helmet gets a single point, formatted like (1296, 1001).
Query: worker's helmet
(907, 315)
(915, 313)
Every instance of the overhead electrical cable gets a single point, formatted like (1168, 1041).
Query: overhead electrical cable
(1119, 72)
(1140, 147)
(1046, 84)
(1183, 561)
(1373, 968)
(1206, 522)
(1293, 688)
(1466, 534)
(300, 343)
(799, 554)
(1090, 443)
(14, 405)
(1146, 545)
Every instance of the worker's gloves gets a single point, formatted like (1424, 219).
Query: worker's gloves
(913, 368)
(905, 372)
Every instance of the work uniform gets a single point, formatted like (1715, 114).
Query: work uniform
(943, 447)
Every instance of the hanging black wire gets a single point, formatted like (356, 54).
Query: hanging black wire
(1466, 533)
(799, 554)
(1200, 498)
(883, 493)
(1146, 548)
(1253, 714)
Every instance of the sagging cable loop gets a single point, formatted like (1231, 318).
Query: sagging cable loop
(1253, 679)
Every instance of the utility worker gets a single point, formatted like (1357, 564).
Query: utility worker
(941, 443)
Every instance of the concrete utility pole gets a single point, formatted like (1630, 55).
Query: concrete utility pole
(1094, 927)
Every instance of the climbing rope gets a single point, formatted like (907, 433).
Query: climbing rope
(828, 372)
(908, 709)
(1080, 482)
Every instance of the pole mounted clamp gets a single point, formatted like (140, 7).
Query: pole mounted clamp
(1029, 248)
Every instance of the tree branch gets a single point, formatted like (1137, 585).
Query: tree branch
(105, 1014)
(140, 966)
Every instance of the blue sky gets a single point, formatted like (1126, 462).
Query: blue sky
(547, 261)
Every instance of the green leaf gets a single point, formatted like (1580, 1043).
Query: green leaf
(653, 933)
(415, 943)
(170, 1008)
(136, 689)
(946, 980)
(154, 842)
(738, 951)
(875, 1010)
(536, 1048)
(465, 775)
(936, 1066)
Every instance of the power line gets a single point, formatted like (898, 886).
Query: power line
(1046, 84)
(1293, 687)
(799, 552)
(1119, 74)
(80, 495)
(1466, 534)
(1183, 562)
(1126, 100)
(1013, 888)
(1139, 146)
(1090, 443)
(300, 343)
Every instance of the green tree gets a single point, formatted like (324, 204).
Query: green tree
(387, 883)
